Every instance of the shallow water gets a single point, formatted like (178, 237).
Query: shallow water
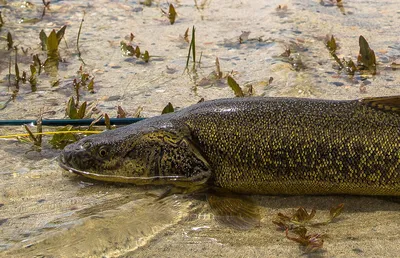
(46, 211)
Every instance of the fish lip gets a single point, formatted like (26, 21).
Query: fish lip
(111, 178)
(65, 166)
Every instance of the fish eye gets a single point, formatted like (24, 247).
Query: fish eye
(102, 152)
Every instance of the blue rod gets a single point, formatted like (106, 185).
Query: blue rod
(63, 122)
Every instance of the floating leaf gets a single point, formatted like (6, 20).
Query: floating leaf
(168, 109)
(235, 87)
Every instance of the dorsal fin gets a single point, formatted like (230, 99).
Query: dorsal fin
(390, 103)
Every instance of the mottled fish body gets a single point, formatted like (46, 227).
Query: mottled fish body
(255, 146)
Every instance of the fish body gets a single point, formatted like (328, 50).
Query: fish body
(254, 146)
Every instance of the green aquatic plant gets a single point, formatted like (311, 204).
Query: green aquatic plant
(10, 41)
(366, 61)
(37, 63)
(235, 87)
(146, 2)
(192, 49)
(52, 42)
(338, 3)
(74, 111)
(203, 4)
(186, 35)
(56, 39)
(294, 59)
(331, 44)
(59, 141)
(296, 224)
(107, 121)
(84, 80)
(36, 139)
(121, 113)
(366, 58)
(171, 14)
(78, 37)
(46, 6)
(33, 78)
(130, 50)
(311, 242)
(1, 20)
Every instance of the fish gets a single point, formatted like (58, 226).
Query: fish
(255, 145)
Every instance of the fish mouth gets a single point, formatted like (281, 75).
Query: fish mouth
(119, 179)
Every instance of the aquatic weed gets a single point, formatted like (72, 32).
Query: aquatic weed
(297, 223)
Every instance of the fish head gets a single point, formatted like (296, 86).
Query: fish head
(139, 154)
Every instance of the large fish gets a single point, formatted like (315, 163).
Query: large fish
(254, 146)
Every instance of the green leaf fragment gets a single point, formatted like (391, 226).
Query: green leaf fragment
(1, 20)
(60, 33)
(168, 109)
(43, 40)
(336, 211)
(171, 14)
(146, 56)
(17, 72)
(137, 52)
(32, 78)
(59, 141)
(23, 77)
(331, 44)
(82, 110)
(91, 86)
(121, 113)
(52, 43)
(71, 111)
(366, 58)
(107, 121)
(9, 41)
(235, 87)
